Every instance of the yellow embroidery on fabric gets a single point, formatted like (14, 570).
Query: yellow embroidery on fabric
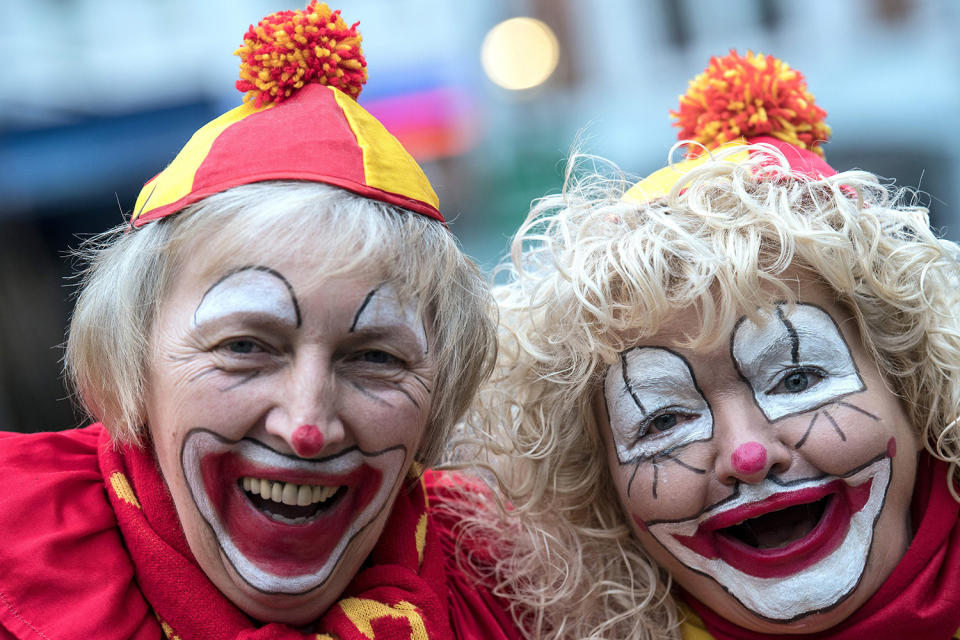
(362, 612)
(122, 488)
(168, 631)
(421, 538)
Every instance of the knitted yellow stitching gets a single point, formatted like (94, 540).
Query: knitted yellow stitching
(122, 488)
(362, 612)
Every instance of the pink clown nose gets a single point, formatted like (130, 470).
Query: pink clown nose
(749, 457)
(307, 441)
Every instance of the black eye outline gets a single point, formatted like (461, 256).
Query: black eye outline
(780, 388)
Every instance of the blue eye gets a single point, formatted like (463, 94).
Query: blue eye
(797, 381)
(242, 346)
(664, 422)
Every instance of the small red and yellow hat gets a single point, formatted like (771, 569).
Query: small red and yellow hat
(741, 100)
(301, 72)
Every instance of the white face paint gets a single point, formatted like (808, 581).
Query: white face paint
(382, 308)
(352, 468)
(242, 362)
(772, 476)
(655, 405)
(795, 365)
(804, 587)
(252, 290)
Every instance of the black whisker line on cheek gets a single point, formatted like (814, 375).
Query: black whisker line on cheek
(836, 427)
(856, 408)
(356, 316)
(656, 478)
(684, 464)
(247, 378)
(409, 397)
(367, 393)
(422, 383)
(636, 467)
(806, 435)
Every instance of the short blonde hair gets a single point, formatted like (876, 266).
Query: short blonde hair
(129, 272)
(592, 273)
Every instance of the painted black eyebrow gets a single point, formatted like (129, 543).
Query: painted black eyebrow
(255, 267)
(363, 306)
(792, 332)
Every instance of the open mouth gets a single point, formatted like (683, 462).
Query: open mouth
(290, 503)
(782, 534)
(785, 549)
(778, 529)
(285, 522)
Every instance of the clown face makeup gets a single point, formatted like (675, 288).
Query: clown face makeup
(771, 477)
(284, 423)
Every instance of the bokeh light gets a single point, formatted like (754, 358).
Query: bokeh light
(520, 53)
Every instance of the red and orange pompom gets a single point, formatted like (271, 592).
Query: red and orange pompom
(289, 49)
(746, 97)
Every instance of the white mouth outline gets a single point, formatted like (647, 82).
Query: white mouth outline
(204, 442)
(804, 593)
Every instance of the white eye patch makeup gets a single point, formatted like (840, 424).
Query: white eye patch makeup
(382, 309)
(795, 363)
(654, 404)
(254, 290)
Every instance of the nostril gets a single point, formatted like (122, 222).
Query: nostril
(749, 457)
(307, 440)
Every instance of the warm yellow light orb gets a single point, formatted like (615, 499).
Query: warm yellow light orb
(520, 53)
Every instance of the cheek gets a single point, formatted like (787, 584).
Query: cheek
(842, 439)
(668, 489)
(377, 426)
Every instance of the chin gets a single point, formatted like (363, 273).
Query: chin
(294, 610)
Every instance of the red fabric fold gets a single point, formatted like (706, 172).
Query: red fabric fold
(920, 599)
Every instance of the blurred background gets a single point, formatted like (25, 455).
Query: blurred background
(489, 95)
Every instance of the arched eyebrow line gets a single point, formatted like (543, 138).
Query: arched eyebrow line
(363, 306)
(255, 267)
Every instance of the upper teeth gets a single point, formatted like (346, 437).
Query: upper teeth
(288, 493)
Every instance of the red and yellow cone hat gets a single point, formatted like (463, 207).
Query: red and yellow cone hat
(740, 100)
(301, 72)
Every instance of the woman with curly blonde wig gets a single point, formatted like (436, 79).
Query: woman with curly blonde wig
(727, 402)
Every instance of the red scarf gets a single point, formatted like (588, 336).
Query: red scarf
(399, 594)
(920, 599)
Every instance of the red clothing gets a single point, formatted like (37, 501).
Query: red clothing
(76, 548)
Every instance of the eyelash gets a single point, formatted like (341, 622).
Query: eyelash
(820, 375)
(644, 428)
(390, 359)
(257, 347)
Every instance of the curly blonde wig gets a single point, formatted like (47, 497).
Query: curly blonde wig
(129, 273)
(592, 273)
